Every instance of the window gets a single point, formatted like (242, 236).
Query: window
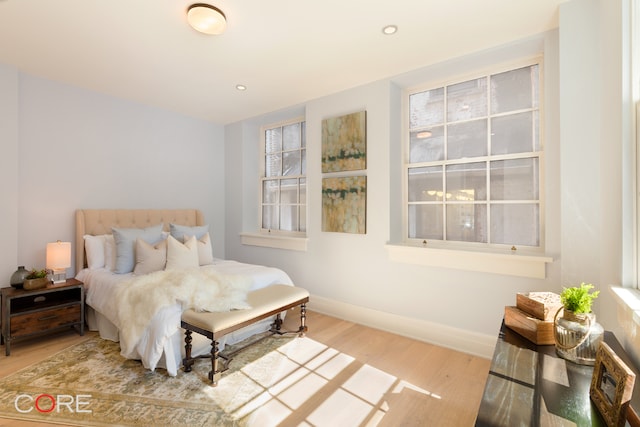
(283, 182)
(473, 163)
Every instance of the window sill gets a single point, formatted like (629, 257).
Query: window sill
(274, 241)
(628, 300)
(510, 264)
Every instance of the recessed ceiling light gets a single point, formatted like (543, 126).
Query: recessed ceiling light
(390, 29)
(241, 87)
(206, 18)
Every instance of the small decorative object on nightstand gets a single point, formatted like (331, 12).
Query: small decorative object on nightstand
(29, 313)
(36, 279)
(577, 334)
(18, 276)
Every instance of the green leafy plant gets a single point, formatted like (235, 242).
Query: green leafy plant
(37, 274)
(578, 299)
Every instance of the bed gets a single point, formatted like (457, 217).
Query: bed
(140, 305)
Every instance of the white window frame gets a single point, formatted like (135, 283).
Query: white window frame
(473, 256)
(634, 25)
(488, 158)
(628, 298)
(281, 239)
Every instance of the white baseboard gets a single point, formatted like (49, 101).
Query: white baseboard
(457, 339)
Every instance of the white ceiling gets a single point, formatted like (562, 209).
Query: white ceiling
(285, 51)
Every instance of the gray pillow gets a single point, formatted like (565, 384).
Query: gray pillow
(125, 239)
(178, 231)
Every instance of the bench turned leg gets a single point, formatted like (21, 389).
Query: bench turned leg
(277, 324)
(214, 374)
(188, 361)
(303, 320)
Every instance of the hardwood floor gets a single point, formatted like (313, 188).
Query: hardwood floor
(420, 384)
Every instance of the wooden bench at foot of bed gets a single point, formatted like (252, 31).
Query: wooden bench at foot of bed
(264, 303)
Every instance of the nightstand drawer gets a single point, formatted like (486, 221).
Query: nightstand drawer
(39, 321)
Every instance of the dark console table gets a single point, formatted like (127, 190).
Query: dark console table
(529, 385)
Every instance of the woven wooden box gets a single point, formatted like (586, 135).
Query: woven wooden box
(541, 305)
(535, 330)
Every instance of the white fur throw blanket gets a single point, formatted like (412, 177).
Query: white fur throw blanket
(140, 298)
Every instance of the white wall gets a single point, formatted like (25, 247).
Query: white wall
(8, 171)
(79, 149)
(351, 275)
(588, 210)
(597, 153)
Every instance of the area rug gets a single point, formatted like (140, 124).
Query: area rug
(90, 384)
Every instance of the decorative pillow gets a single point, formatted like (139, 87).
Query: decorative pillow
(181, 255)
(94, 249)
(125, 239)
(150, 258)
(179, 231)
(109, 252)
(205, 250)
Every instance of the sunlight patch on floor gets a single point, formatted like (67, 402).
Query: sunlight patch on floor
(334, 366)
(301, 391)
(403, 384)
(340, 409)
(270, 413)
(302, 351)
(369, 384)
(292, 378)
(319, 360)
(289, 381)
(280, 368)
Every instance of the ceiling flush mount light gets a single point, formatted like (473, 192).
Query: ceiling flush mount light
(241, 87)
(206, 18)
(390, 29)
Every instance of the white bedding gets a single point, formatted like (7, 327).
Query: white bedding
(161, 343)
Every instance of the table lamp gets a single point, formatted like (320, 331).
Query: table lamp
(58, 260)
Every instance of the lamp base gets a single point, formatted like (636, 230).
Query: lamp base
(59, 276)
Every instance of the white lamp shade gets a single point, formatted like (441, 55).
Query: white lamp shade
(58, 255)
(206, 19)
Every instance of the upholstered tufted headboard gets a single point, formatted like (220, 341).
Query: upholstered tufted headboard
(100, 221)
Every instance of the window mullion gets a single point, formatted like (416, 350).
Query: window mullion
(279, 203)
(445, 133)
(488, 164)
(298, 199)
(488, 201)
(444, 201)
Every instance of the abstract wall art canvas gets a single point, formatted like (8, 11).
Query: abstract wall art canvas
(344, 143)
(344, 204)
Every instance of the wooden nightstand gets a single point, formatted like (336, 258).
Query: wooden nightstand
(30, 313)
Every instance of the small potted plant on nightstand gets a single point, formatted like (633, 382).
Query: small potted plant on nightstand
(36, 279)
(577, 334)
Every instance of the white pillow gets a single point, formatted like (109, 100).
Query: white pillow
(181, 255)
(109, 252)
(94, 249)
(205, 250)
(125, 239)
(150, 258)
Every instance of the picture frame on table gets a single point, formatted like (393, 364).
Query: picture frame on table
(611, 386)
